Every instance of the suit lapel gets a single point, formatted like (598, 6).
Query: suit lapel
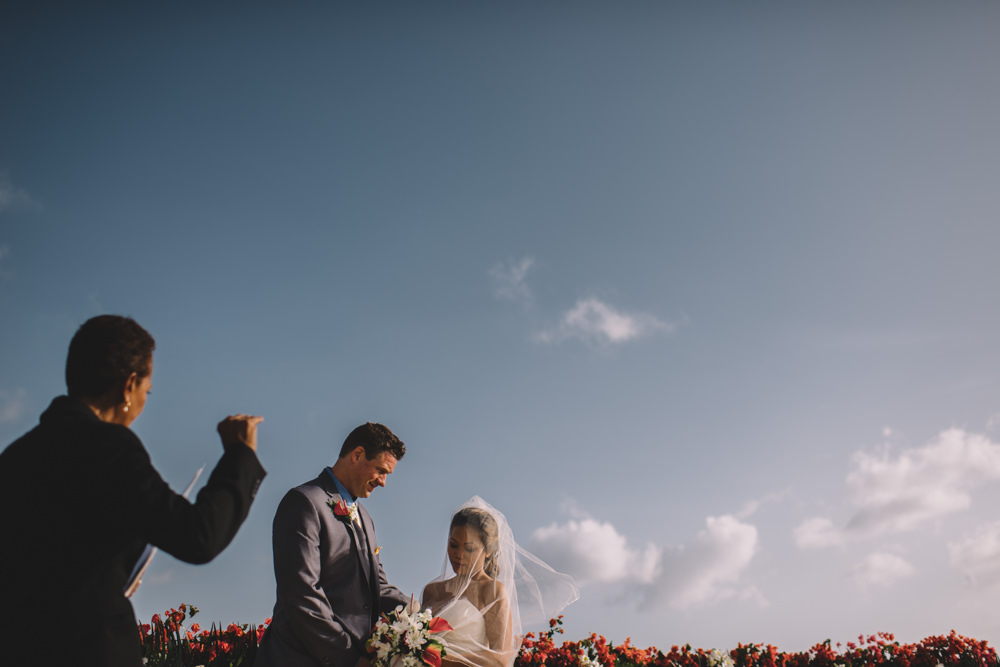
(355, 531)
(367, 528)
(362, 549)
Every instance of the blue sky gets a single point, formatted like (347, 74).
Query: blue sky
(702, 297)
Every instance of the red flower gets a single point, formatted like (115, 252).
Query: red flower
(438, 624)
(340, 508)
(432, 655)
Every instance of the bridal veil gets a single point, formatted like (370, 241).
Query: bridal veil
(489, 606)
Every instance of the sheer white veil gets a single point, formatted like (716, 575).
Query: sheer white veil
(490, 607)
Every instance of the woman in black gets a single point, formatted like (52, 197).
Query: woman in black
(79, 500)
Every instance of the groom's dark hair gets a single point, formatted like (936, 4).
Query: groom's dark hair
(375, 438)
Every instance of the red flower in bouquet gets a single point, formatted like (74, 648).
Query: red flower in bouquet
(438, 624)
(401, 633)
(432, 655)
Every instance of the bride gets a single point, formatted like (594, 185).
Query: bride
(489, 587)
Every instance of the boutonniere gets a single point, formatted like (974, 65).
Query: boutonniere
(342, 509)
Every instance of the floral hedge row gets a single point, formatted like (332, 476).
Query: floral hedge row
(167, 643)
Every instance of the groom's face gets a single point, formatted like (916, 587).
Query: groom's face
(369, 474)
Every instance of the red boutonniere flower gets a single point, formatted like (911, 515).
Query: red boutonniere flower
(342, 509)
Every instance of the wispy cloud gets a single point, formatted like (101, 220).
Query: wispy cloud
(882, 569)
(993, 422)
(818, 532)
(595, 552)
(978, 556)
(707, 571)
(751, 506)
(508, 280)
(895, 494)
(11, 195)
(594, 321)
(703, 572)
(12, 406)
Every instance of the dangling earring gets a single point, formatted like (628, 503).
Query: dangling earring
(127, 404)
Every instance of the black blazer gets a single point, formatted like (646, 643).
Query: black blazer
(79, 499)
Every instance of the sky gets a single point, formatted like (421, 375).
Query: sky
(702, 296)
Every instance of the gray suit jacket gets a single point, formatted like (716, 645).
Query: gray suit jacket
(331, 587)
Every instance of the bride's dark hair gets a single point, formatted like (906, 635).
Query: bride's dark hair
(484, 524)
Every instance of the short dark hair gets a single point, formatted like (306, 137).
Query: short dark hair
(104, 351)
(375, 438)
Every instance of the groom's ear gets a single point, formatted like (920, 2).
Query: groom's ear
(357, 454)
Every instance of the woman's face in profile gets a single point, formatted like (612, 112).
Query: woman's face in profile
(466, 550)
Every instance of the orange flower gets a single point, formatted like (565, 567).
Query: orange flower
(432, 655)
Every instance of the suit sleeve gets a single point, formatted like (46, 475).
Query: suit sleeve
(193, 532)
(297, 571)
(389, 596)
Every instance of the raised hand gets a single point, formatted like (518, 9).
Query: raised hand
(239, 429)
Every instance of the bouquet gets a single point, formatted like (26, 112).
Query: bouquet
(404, 639)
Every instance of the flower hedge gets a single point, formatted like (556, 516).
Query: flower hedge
(166, 643)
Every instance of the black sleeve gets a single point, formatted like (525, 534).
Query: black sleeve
(192, 532)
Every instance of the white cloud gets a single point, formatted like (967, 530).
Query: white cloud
(978, 556)
(594, 552)
(508, 280)
(12, 406)
(703, 572)
(593, 321)
(882, 569)
(895, 494)
(707, 571)
(10, 195)
(818, 532)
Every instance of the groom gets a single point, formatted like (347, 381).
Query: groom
(331, 587)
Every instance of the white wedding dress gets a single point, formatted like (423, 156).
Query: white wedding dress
(468, 633)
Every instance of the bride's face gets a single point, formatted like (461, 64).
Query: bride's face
(466, 550)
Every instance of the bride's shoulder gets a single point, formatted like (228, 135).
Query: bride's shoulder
(435, 590)
(491, 591)
(434, 586)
